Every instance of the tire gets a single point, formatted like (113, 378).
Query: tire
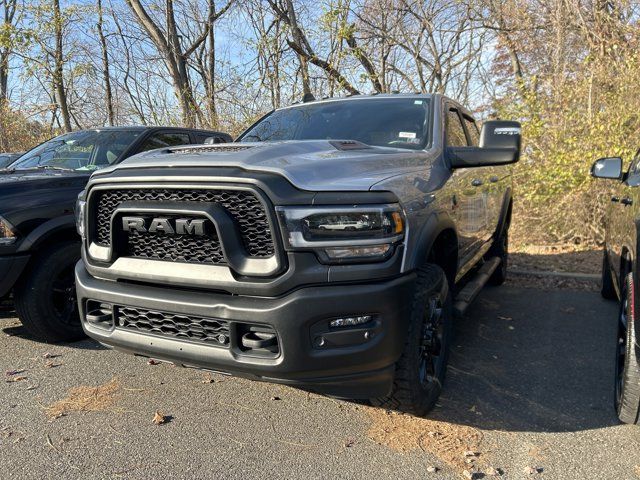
(45, 297)
(627, 379)
(500, 249)
(421, 369)
(607, 290)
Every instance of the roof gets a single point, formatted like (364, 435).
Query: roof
(363, 97)
(141, 128)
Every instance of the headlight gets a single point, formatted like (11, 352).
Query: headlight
(344, 233)
(80, 209)
(7, 232)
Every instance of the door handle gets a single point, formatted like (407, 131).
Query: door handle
(615, 199)
(494, 179)
(627, 201)
(476, 182)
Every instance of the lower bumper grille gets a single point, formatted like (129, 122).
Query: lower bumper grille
(211, 331)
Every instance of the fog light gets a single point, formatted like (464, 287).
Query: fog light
(350, 321)
(357, 252)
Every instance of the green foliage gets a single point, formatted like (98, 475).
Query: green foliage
(593, 114)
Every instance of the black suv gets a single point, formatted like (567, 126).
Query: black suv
(620, 278)
(38, 241)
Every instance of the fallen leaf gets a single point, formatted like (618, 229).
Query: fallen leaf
(504, 318)
(467, 474)
(159, 418)
(10, 373)
(50, 355)
(432, 469)
(511, 327)
(276, 398)
(208, 379)
(51, 365)
(470, 453)
(493, 472)
(151, 361)
(15, 379)
(350, 442)
(532, 470)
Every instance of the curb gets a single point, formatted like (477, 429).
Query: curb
(546, 273)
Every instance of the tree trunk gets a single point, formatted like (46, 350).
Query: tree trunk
(105, 68)
(58, 74)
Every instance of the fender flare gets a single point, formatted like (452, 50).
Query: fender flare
(48, 228)
(434, 226)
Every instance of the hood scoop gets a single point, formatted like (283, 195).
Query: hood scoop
(220, 148)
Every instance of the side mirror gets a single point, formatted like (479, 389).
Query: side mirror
(610, 167)
(500, 143)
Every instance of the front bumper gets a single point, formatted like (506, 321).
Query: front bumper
(363, 368)
(11, 267)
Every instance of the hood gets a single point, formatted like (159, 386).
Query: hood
(27, 180)
(315, 165)
(23, 190)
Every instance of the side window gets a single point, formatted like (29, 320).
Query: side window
(454, 129)
(165, 139)
(472, 129)
(201, 137)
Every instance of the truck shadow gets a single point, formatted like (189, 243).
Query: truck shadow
(10, 326)
(532, 360)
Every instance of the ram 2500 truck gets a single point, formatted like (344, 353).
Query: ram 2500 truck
(328, 248)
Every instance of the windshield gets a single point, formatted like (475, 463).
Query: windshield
(384, 122)
(79, 151)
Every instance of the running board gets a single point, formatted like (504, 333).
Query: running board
(472, 289)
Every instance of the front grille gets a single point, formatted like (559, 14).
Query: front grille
(159, 246)
(243, 206)
(211, 331)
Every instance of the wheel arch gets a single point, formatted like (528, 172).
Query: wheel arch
(437, 243)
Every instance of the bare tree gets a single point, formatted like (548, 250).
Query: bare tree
(174, 54)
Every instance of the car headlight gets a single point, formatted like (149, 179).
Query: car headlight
(8, 233)
(81, 205)
(344, 233)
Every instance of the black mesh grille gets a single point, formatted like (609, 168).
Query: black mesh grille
(186, 249)
(211, 331)
(243, 206)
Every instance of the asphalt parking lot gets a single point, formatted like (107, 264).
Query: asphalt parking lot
(529, 393)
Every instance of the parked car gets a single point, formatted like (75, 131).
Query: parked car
(7, 159)
(38, 241)
(226, 257)
(620, 279)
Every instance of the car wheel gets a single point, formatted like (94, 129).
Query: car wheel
(627, 386)
(607, 290)
(45, 296)
(500, 249)
(420, 371)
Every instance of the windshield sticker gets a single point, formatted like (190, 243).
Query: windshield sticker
(410, 135)
(417, 102)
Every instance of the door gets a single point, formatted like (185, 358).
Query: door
(468, 203)
(621, 224)
(494, 181)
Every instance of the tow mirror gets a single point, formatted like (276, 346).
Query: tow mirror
(500, 143)
(610, 167)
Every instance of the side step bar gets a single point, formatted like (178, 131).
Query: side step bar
(472, 289)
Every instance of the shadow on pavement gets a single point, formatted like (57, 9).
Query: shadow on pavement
(532, 360)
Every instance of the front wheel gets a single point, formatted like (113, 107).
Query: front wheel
(420, 371)
(45, 297)
(627, 386)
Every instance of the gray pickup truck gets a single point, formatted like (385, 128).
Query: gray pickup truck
(328, 248)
